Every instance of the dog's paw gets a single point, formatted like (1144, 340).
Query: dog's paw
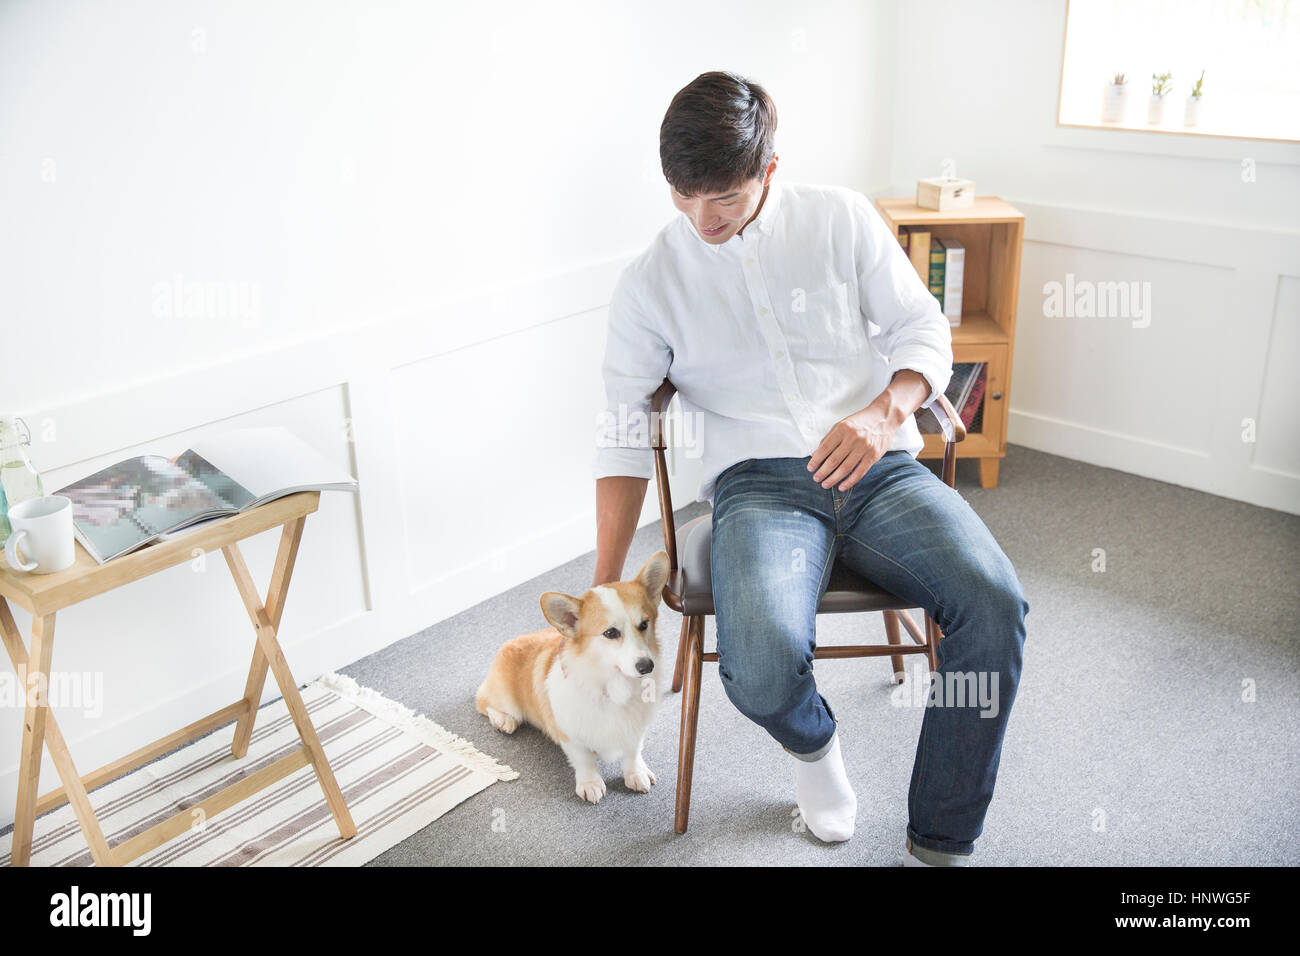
(591, 790)
(640, 779)
(502, 722)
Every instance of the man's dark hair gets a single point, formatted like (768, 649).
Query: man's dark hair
(718, 132)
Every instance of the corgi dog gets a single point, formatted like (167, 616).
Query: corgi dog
(591, 681)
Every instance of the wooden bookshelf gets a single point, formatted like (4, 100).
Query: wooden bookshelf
(992, 232)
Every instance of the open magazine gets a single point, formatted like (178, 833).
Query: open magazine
(142, 499)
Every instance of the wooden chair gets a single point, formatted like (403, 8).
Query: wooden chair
(689, 590)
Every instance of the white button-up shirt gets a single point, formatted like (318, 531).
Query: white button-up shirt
(771, 337)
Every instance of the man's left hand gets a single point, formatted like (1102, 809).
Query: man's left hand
(851, 447)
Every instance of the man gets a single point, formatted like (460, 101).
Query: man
(796, 329)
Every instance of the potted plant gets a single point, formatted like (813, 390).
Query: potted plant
(1192, 109)
(1161, 84)
(1113, 101)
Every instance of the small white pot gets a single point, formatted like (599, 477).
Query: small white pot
(1191, 111)
(1113, 102)
(1156, 110)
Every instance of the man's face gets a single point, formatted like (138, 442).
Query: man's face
(719, 217)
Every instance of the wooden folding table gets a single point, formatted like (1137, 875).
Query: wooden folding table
(44, 594)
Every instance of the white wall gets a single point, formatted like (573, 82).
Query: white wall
(432, 202)
(1221, 252)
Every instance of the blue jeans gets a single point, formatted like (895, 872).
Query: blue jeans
(776, 533)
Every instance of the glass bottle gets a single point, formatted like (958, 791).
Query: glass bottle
(19, 480)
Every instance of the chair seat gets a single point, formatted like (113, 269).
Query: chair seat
(690, 588)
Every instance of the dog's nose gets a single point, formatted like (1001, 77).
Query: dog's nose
(644, 666)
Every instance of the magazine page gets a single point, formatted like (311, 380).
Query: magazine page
(128, 504)
(217, 481)
(270, 462)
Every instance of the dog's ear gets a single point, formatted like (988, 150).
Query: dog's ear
(562, 611)
(654, 575)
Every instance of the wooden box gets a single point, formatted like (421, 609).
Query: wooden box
(945, 194)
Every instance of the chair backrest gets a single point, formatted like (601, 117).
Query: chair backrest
(658, 408)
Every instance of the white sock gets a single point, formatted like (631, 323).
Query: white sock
(825, 798)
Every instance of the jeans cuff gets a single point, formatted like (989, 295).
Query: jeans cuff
(816, 754)
(938, 852)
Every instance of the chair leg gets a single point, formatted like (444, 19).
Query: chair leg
(891, 632)
(932, 637)
(681, 656)
(690, 715)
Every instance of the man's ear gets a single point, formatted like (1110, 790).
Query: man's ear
(562, 611)
(654, 575)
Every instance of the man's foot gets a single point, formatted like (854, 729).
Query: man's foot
(826, 800)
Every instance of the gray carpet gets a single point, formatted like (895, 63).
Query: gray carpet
(1129, 743)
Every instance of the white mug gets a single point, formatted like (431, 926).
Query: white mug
(44, 528)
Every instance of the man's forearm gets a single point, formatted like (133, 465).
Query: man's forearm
(904, 394)
(618, 507)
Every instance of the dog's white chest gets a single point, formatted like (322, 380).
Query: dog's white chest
(609, 719)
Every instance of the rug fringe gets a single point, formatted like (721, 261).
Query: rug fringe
(407, 719)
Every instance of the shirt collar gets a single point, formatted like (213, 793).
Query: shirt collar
(767, 215)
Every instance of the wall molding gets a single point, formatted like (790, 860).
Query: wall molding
(142, 411)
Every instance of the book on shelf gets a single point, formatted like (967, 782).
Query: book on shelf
(954, 269)
(938, 261)
(918, 250)
(965, 391)
(143, 499)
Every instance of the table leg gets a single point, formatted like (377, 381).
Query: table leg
(283, 571)
(270, 647)
(39, 726)
(35, 684)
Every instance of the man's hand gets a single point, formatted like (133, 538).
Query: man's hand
(857, 442)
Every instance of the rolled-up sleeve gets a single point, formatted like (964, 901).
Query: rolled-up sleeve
(914, 332)
(636, 362)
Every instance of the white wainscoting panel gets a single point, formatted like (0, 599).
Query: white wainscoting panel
(1171, 401)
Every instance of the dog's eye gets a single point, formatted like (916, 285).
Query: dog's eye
(612, 633)
(643, 625)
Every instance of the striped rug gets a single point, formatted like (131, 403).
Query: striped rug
(398, 772)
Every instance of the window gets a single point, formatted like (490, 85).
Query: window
(1249, 51)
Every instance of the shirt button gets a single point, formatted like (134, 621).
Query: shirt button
(780, 355)
(764, 310)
